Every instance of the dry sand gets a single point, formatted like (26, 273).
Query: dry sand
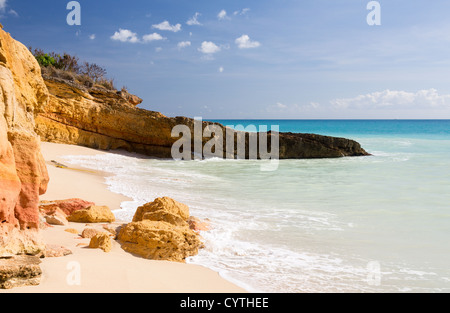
(92, 270)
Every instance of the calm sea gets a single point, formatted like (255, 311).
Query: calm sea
(369, 224)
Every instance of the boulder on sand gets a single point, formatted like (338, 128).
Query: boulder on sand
(93, 214)
(160, 231)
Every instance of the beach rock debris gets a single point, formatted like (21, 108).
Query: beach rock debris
(53, 215)
(101, 241)
(93, 214)
(90, 233)
(55, 251)
(71, 231)
(19, 271)
(160, 231)
(68, 206)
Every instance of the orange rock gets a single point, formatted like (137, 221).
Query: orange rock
(23, 174)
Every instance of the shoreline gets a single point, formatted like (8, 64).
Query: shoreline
(116, 271)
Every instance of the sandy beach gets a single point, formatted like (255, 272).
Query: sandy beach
(92, 270)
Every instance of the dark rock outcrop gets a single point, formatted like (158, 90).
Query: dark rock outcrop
(311, 146)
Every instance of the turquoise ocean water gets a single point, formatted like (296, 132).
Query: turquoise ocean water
(379, 223)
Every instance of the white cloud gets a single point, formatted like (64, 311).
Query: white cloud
(2, 5)
(241, 12)
(194, 20)
(395, 99)
(125, 35)
(244, 42)
(209, 47)
(92, 37)
(14, 13)
(152, 37)
(183, 44)
(166, 26)
(158, 49)
(293, 108)
(221, 69)
(223, 15)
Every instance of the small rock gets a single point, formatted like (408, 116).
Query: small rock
(72, 231)
(113, 230)
(89, 233)
(55, 251)
(57, 218)
(101, 241)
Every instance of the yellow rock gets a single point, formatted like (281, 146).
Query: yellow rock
(160, 231)
(159, 240)
(71, 230)
(93, 214)
(89, 232)
(101, 241)
(163, 209)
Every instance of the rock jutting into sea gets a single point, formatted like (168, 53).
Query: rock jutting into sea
(107, 120)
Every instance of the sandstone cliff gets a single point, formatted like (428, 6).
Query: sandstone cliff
(23, 174)
(106, 120)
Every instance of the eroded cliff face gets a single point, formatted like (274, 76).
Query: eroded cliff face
(23, 173)
(106, 120)
(102, 119)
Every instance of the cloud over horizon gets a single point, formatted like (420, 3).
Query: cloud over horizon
(394, 99)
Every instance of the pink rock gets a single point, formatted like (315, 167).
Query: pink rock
(67, 206)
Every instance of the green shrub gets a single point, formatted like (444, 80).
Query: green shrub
(45, 60)
(67, 67)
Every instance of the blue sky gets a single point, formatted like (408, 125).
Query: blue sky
(218, 59)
